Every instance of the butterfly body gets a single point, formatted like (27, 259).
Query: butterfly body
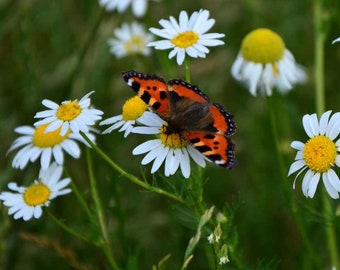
(189, 113)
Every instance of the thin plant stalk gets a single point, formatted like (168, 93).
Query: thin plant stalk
(131, 177)
(319, 41)
(99, 209)
(82, 201)
(187, 70)
(65, 227)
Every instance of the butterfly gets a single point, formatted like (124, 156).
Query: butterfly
(189, 113)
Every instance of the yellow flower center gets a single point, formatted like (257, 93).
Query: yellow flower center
(319, 153)
(68, 110)
(185, 39)
(37, 194)
(134, 45)
(48, 139)
(262, 46)
(133, 108)
(172, 140)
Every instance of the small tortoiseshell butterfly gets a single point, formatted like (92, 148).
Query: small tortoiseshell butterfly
(188, 112)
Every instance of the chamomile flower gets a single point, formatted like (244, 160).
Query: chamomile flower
(130, 39)
(70, 114)
(139, 7)
(132, 110)
(27, 202)
(264, 63)
(319, 154)
(35, 143)
(188, 36)
(168, 148)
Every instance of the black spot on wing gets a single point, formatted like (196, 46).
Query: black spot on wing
(210, 128)
(163, 95)
(203, 149)
(195, 140)
(156, 105)
(146, 97)
(134, 85)
(209, 136)
(153, 88)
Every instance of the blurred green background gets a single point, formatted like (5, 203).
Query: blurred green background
(40, 45)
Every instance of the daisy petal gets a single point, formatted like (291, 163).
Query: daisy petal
(333, 179)
(159, 160)
(146, 147)
(297, 165)
(324, 122)
(313, 185)
(331, 190)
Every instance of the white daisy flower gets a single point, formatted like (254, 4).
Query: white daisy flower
(169, 148)
(319, 154)
(75, 115)
(132, 110)
(336, 40)
(139, 7)
(188, 36)
(130, 40)
(35, 143)
(27, 202)
(264, 63)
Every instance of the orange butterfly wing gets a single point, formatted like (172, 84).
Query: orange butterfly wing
(188, 111)
(150, 88)
(216, 147)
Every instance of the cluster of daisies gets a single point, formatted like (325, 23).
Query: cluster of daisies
(58, 130)
(263, 63)
(187, 36)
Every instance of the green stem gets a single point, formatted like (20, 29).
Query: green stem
(66, 228)
(330, 232)
(187, 70)
(198, 193)
(131, 177)
(283, 176)
(94, 190)
(82, 201)
(319, 41)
